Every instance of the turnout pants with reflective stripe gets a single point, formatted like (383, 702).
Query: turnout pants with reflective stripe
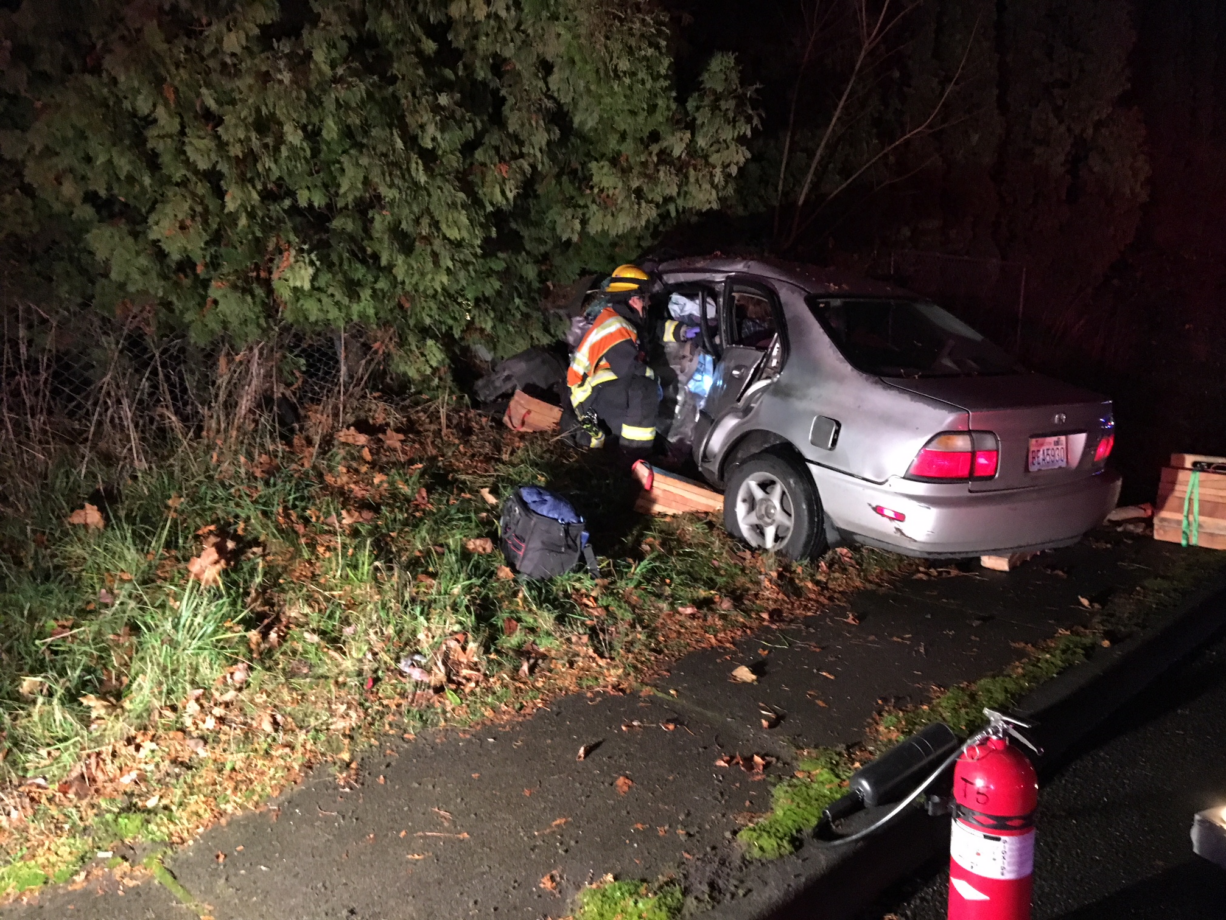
(628, 406)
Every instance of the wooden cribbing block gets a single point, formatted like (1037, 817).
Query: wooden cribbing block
(526, 413)
(1185, 461)
(1005, 563)
(673, 494)
(1173, 492)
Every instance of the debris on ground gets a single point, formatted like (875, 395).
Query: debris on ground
(1005, 563)
(742, 675)
(535, 370)
(754, 764)
(1130, 513)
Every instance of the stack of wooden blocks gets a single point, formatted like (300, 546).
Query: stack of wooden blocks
(668, 493)
(1206, 528)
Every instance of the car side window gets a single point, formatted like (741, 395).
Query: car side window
(753, 319)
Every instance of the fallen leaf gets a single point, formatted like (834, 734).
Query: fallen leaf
(826, 674)
(755, 763)
(220, 857)
(89, 517)
(206, 568)
(416, 855)
(510, 627)
(743, 675)
(352, 436)
(482, 546)
(550, 881)
(1084, 601)
(98, 707)
(504, 573)
(622, 784)
(587, 749)
(488, 496)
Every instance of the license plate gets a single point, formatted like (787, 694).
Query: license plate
(1048, 453)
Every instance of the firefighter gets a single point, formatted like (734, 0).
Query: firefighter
(609, 380)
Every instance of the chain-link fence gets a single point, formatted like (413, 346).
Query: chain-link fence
(95, 387)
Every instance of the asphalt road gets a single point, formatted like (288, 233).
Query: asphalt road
(1113, 830)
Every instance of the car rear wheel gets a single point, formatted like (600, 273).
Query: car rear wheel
(772, 505)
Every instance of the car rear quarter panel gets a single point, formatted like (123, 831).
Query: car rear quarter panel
(881, 428)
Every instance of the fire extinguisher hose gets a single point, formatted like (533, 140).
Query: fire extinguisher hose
(999, 726)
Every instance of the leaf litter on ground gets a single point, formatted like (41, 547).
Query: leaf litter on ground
(326, 584)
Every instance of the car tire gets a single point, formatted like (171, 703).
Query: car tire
(771, 504)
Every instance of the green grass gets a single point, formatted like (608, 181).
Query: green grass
(797, 804)
(629, 900)
(340, 568)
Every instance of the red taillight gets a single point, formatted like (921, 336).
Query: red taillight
(985, 463)
(942, 464)
(957, 455)
(1105, 445)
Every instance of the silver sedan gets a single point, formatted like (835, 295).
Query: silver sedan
(845, 409)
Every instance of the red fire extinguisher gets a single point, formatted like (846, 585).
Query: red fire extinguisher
(991, 851)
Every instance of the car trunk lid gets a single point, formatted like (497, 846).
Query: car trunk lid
(1018, 408)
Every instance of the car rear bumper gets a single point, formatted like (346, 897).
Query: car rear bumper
(947, 521)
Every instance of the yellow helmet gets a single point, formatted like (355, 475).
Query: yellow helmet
(626, 278)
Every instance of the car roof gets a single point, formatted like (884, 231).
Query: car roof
(811, 278)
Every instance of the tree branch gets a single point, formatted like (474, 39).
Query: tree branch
(799, 225)
(871, 35)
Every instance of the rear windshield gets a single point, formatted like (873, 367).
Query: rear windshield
(907, 338)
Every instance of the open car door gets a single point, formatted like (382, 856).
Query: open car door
(747, 343)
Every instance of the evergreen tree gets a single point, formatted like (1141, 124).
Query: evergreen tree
(420, 164)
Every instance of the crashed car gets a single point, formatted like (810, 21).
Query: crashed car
(840, 409)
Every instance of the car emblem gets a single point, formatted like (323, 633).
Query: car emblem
(1059, 418)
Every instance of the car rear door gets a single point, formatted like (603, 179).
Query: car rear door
(750, 346)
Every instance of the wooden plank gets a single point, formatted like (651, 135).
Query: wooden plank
(1207, 524)
(526, 413)
(1178, 480)
(673, 494)
(1172, 533)
(1206, 509)
(1185, 461)
(1005, 563)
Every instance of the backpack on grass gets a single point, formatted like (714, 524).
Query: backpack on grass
(542, 534)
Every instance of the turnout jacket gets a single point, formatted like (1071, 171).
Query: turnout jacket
(611, 350)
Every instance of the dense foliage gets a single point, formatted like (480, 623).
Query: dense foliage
(427, 166)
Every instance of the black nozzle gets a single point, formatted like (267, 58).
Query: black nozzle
(842, 808)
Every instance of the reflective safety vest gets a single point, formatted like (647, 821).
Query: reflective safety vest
(588, 368)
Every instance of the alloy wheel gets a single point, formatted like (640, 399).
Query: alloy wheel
(764, 511)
